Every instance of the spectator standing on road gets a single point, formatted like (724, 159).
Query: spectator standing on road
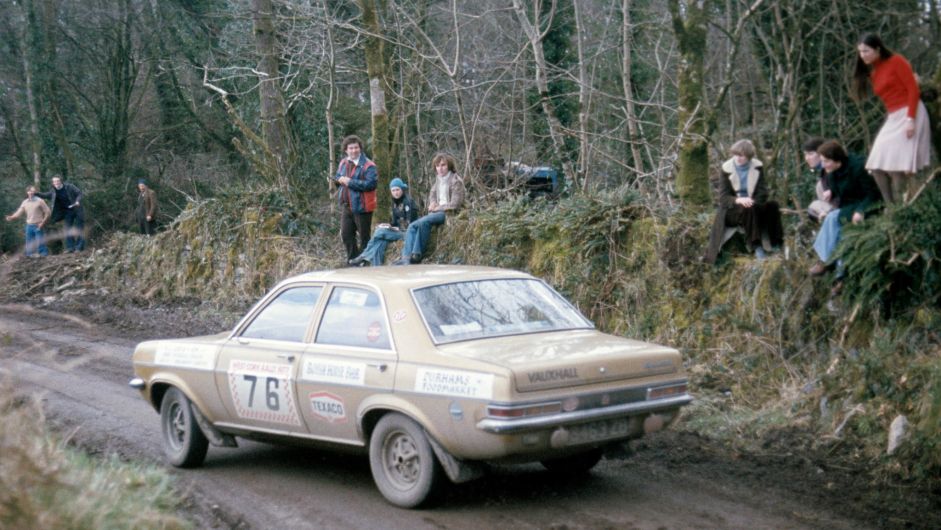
(67, 206)
(37, 213)
(357, 178)
(446, 197)
(146, 208)
(903, 145)
(404, 211)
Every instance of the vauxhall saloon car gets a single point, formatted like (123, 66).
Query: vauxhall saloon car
(432, 370)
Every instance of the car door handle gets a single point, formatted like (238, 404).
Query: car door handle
(378, 366)
(286, 356)
(242, 340)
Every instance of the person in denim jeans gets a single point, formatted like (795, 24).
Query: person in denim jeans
(404, 212)
(67, 206)
(37, 213)
(446, 197)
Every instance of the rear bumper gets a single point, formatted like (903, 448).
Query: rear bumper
(521, 425)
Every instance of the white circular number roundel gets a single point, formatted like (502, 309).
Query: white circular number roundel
(262, 391)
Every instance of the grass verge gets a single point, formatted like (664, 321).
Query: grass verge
(45, 484)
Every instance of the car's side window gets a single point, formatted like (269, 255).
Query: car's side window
(286, 317)
(353, 317)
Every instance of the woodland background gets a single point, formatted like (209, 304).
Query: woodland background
(233, 110)
(202, 95)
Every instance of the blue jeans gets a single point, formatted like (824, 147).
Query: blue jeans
(828, 236)
(74, 230)
(419, 233)
(35, 241)
(375, 251)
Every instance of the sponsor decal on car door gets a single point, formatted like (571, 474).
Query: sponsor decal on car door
(352, 357)
(257, 369)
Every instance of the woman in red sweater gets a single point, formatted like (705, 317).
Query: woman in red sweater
(903, 145)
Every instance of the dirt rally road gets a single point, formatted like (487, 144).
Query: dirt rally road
(81, 370)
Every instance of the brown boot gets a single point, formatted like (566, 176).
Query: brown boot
(818, 269)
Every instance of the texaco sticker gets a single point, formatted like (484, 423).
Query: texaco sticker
(327, 406)
(262, 391)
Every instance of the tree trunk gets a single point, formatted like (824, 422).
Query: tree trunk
(49, 83)
(627, 85)
(376, 69)
(275, 130)
(35, 142)
(692, 177)
(584, 86)
(331, 94)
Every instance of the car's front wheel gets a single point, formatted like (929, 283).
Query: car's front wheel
(402, 461)
(574, 464)
(183, 442)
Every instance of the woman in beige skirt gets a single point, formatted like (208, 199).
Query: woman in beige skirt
(903, 145)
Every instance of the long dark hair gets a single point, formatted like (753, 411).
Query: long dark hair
(861, 82)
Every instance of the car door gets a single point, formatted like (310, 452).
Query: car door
(256, 371)
(352, 357)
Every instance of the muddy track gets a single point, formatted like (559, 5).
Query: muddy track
(671, 480)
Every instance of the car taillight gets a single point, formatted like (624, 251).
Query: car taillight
(503, 411)
(666, 391)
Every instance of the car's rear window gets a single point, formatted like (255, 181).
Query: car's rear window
(490, 308)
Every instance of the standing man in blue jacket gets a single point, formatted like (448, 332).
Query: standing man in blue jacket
(357, 179)
(67, 206)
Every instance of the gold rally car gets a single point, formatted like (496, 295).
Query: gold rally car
(432, 369)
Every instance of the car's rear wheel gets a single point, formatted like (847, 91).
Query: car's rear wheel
(183, 442)
(574, 464)
(402, 461)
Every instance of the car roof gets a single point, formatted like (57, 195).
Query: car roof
(407, 277)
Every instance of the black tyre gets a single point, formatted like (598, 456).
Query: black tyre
(403, 463)
(574, 464)
(183, 442)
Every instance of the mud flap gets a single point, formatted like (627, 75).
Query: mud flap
(457, 470)
(215, 437)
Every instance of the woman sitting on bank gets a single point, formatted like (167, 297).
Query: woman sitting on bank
(853, 192)
(404, 211)
(445, 198)
(743, 202)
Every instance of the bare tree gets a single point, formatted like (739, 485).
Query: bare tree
(377, 68)
(279, 146)
(535, 35)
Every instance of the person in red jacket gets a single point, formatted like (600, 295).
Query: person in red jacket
(903, 145)
(357, 179)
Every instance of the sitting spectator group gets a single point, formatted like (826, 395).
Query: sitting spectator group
(848, 187)
(357, 180)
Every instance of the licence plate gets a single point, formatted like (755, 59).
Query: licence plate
(598, 430)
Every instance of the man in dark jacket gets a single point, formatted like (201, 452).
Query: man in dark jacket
(357, 179)
(146, 208)
(404, 211)
(67, 206)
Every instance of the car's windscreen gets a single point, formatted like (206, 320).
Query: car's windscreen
(490, 308)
